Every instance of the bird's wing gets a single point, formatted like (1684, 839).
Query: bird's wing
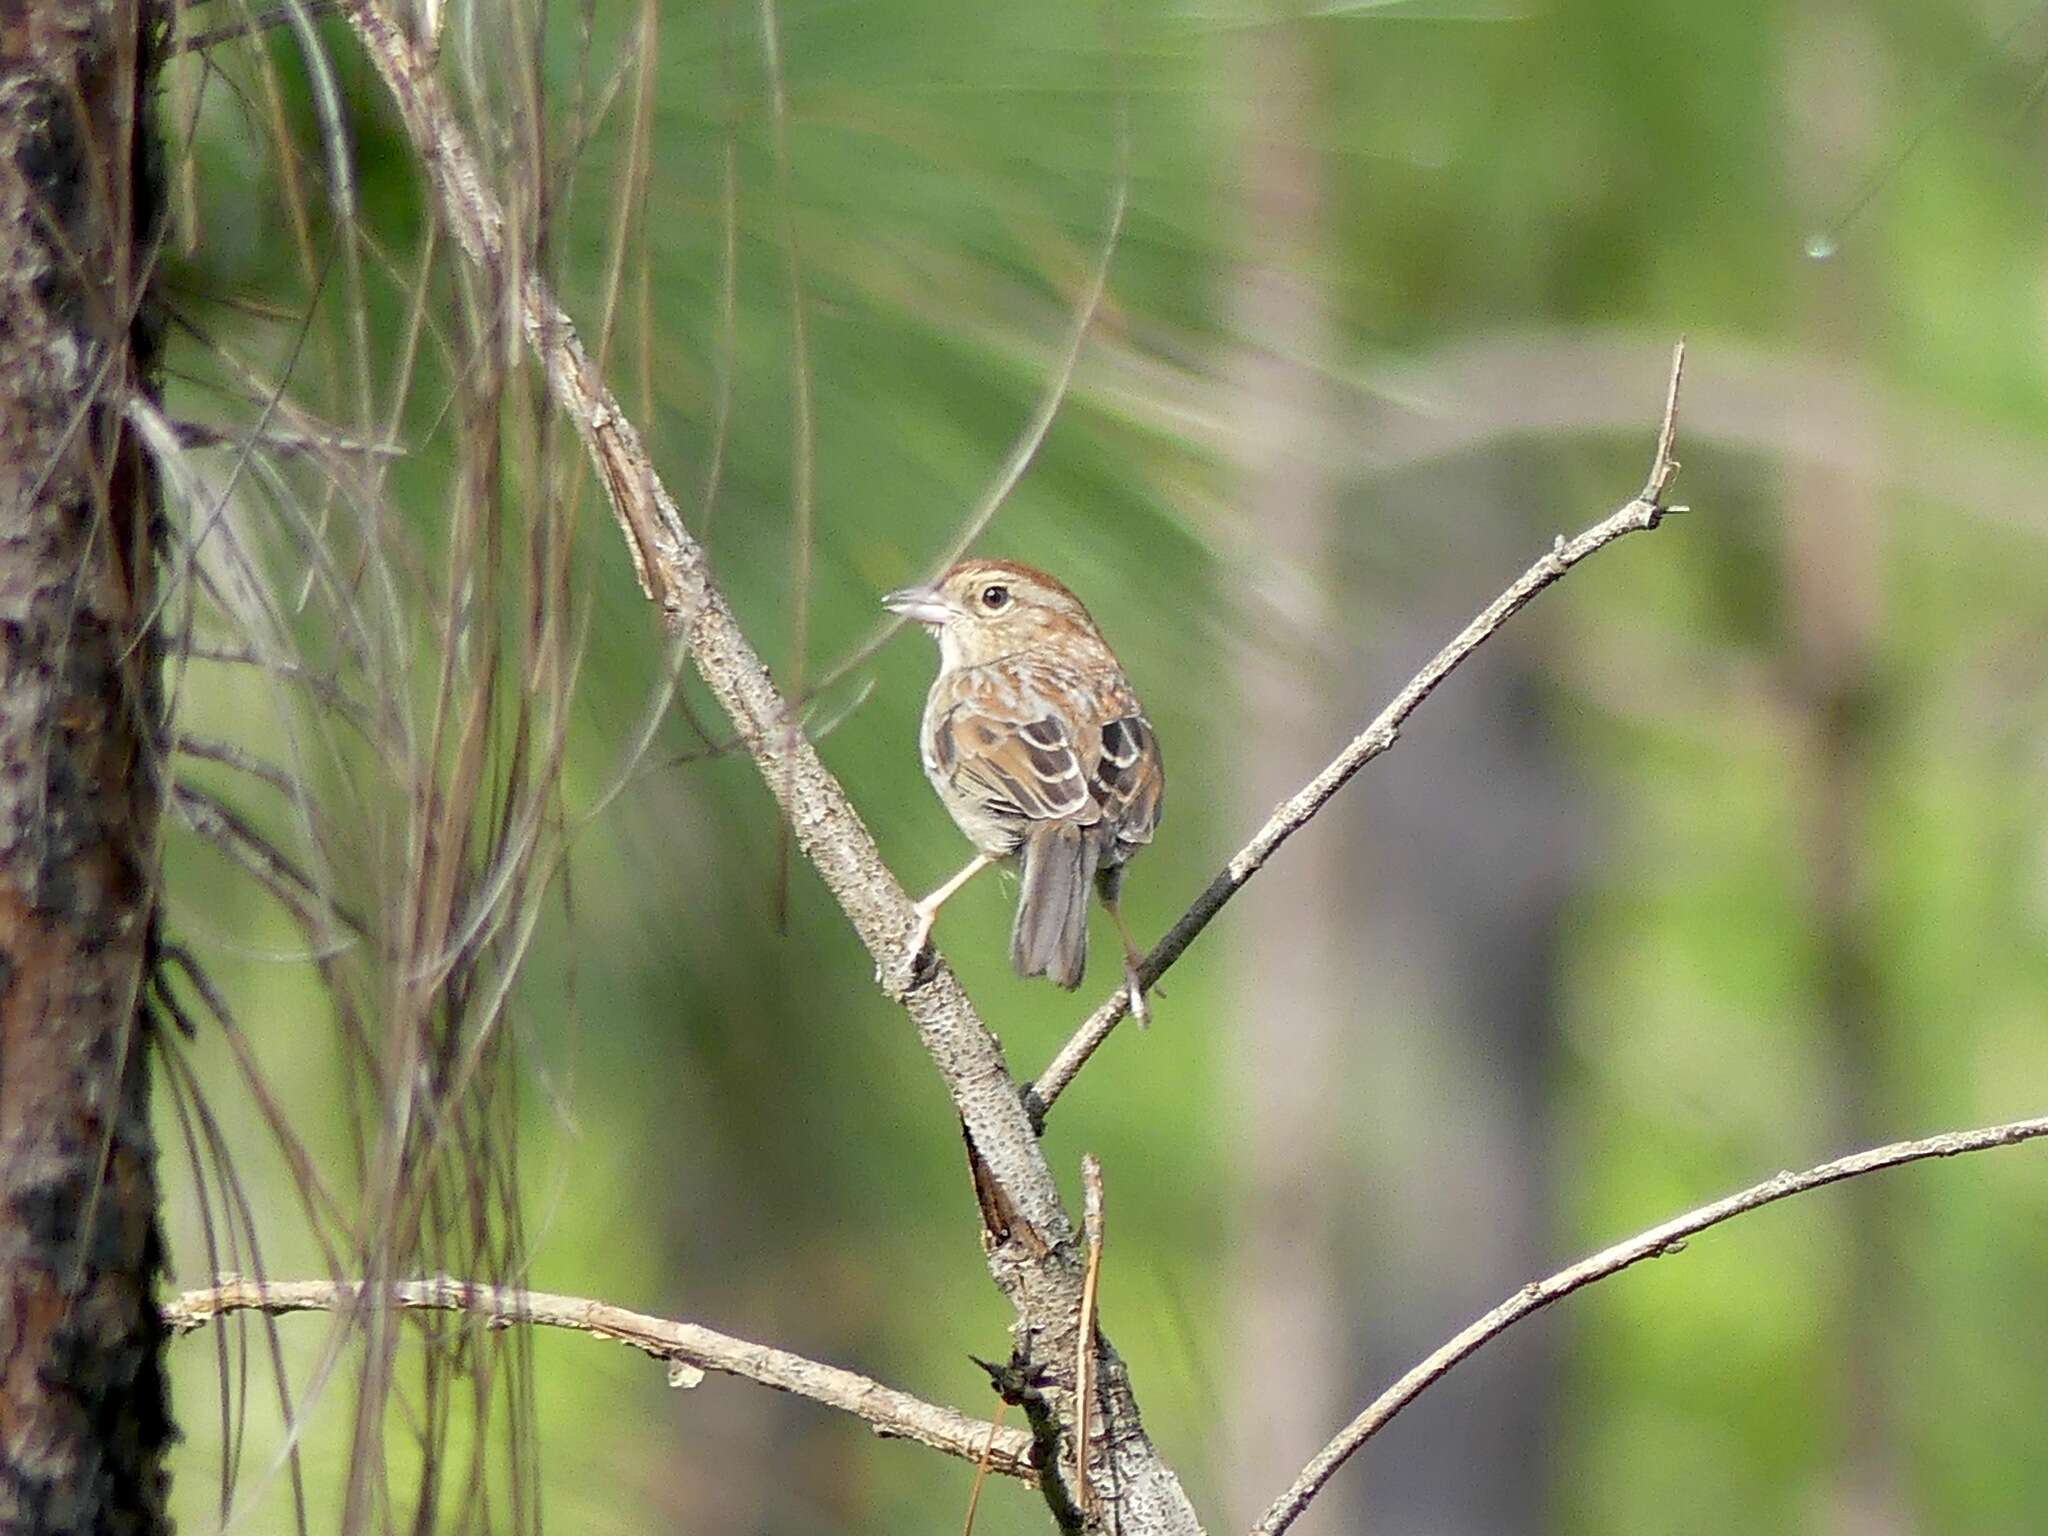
(1130, 778)
(1022, 768)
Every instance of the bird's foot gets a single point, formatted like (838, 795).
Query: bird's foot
(921, 935)
(919, 957)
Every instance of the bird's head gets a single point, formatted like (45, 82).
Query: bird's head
(982, 610)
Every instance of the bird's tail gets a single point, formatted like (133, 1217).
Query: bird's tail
(1051, 936)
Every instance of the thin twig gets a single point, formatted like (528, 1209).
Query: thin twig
(200, 434)
(1646, 510)
(890, 1413)
(324, 686)
(1032, 438)
(1659, 1240)
(1084, 1361)
(981, 1467)
(240, 758)
(234, 835)
(260, 21)
(1025, 449)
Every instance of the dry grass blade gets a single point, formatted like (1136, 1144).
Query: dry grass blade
(725, 355)
(276, 871)
(428, 816)
(803, 414)
(981, 1467)
(242, 1232)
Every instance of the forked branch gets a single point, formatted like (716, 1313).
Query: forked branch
(1659, 1240)
(1646, 510)
(1032, 1255)
(690, 1346)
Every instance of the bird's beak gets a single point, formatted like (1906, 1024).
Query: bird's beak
(922, 605)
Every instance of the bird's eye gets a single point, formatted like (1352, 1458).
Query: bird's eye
(993, 598)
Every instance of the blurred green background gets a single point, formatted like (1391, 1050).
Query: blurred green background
(1727, 856)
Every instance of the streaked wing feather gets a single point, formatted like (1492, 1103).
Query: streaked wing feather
(1026, 770)
(1129, 779)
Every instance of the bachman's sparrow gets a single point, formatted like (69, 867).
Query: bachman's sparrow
(1038, 747)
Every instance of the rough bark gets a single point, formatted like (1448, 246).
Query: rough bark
(83, 1414)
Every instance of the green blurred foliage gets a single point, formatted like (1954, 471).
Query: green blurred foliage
(727, 1123)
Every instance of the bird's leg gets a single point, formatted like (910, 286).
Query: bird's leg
(928, 909)
(1131, 958)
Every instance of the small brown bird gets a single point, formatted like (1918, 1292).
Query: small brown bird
(1038, 747)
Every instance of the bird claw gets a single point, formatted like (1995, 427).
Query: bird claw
(920, 957)
(1134, 992)
(1035, 1108)
(918, 967)
(921, 935)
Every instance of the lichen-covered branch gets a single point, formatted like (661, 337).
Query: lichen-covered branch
(887, 1411)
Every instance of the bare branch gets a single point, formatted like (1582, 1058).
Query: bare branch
(249, 25)
(1084, 1386)
(892, 1414)
(1659, 1240)
(199, 434)
(1646, 510)
(239, 758)
(234, 835)
(1033, 1257)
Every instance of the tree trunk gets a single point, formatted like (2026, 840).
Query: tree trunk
(1296, 983)
(83, 1415)
(1834, 605)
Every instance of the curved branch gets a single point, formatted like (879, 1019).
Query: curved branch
(893, 1414)
(1645, 511)
(1659, 1240)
